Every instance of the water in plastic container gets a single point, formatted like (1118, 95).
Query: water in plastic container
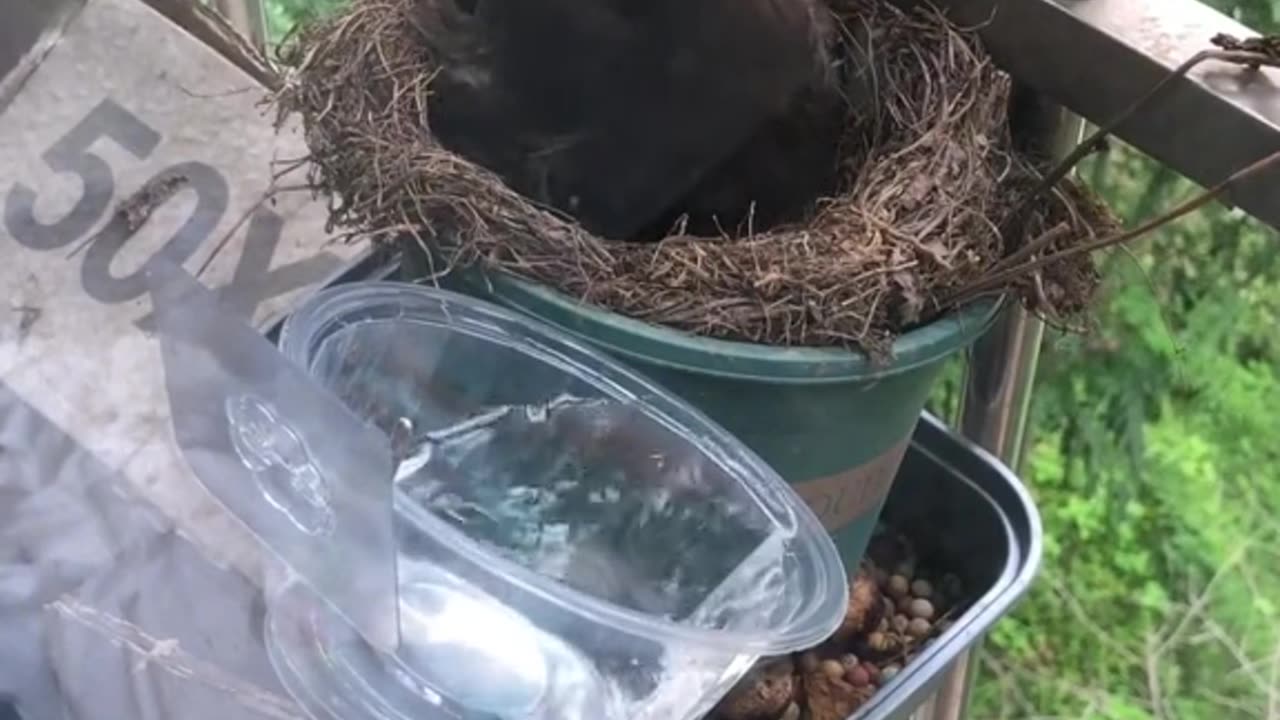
(573, 541)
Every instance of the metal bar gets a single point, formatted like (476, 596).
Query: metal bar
(997, 396)
(998, 388)
(214, 30)
(995, 405)
(246, 16)
(1096, 57)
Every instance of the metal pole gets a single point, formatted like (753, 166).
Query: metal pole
(997, 393)
(997, 396)
(246, 16)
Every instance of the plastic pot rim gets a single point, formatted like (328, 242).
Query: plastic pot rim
(683, 351)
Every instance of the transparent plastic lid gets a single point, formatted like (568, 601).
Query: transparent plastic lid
(573, 542)
(308, 478)
(555, 480)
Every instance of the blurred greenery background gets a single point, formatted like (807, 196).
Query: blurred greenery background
(1153, 457)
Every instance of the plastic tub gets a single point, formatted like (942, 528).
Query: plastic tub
(969, 514)
(574, 542)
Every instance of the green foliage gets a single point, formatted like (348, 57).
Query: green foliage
(1153, 464)
(283, 15)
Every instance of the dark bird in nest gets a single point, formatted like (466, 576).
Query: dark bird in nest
(630, 114)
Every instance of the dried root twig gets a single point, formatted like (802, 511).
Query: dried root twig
(1001, 277)
(1252, 53)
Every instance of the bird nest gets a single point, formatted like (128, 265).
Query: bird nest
(929, 196)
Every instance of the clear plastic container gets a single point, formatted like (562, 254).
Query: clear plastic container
(573, 541)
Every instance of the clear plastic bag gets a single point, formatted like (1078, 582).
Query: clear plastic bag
(105, 611)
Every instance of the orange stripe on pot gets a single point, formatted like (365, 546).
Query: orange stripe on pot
(846, 496)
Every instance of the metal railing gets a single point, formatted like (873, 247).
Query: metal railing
(994, 412)
(247, 16)
(1097, 57)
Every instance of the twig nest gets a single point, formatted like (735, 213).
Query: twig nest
(763, 694)
(924, 179)
(864, 606)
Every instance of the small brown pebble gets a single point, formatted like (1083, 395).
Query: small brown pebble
(791, 713)
(849, 662)
(919, 628)
(921, 608)
(889, 672)
(880, 642)
(833, 669)
(858, 677)
(900, 623)
(922, 588)
(898, 587)
(809, 662)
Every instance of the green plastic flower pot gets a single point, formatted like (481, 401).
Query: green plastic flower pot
(834, 425)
